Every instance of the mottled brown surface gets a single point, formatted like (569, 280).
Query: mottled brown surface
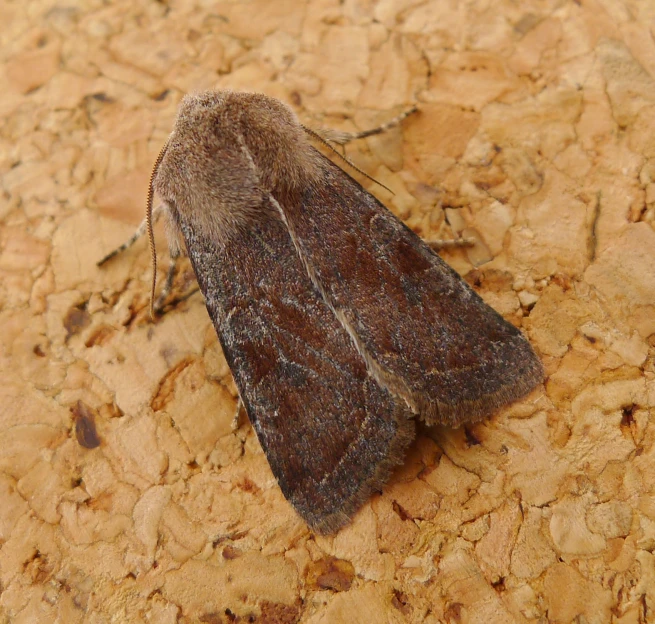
(535, 137)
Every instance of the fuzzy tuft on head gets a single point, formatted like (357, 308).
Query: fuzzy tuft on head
(227, 152)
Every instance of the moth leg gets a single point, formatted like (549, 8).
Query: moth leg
(461, 239)
(437, 245)
(237, 420)
(341, 138)
(176, 249)
(140, 231)
(174, 252)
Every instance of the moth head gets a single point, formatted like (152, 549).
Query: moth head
(228, 150)
(227, 154)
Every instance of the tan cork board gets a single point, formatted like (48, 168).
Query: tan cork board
(536, 136)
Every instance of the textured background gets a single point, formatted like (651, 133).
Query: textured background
(536, 136)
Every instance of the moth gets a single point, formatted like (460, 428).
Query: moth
(338, 322)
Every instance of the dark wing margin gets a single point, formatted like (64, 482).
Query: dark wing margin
(424, 333)
(330, 433)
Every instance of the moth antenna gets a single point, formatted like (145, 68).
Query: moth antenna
(151, 234)
(392, 123)
(320, 139)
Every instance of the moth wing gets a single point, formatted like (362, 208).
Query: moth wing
(331, 434)
(425, 334)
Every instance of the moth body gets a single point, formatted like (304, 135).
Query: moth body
(247, 147)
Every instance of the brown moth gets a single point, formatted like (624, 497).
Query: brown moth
(338, 323)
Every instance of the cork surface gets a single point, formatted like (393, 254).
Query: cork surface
(127, 494)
